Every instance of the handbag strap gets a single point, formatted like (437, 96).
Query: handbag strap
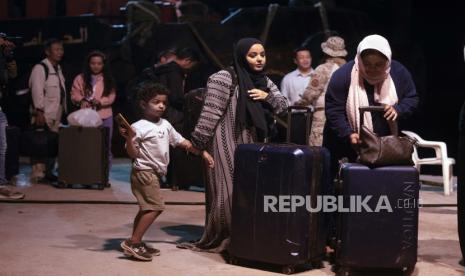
(392, 124)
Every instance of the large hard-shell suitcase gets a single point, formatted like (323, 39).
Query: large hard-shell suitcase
(387, 236)
(83, 156)
(264, 232)
(12, 151)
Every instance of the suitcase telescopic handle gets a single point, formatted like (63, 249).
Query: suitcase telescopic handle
(308, 120)
(393, 127)
(309, 108)
(371, 108)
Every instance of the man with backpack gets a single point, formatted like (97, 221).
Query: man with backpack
(48, 92)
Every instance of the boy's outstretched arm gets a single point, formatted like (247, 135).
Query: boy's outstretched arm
(131, 146)
(187, 145)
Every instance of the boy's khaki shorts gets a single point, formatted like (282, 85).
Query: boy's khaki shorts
(145, 186)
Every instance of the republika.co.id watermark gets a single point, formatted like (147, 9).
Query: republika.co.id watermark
(341, 204)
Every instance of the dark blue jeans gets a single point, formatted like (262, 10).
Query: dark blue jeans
(3, 124)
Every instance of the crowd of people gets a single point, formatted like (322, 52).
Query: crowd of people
(239, 99)
(237, 109)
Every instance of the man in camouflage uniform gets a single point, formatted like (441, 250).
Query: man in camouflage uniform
(335, 52)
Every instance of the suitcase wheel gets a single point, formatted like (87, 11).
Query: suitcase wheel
(62, 185)
(233, 260)
(289, 269)
(408, 271)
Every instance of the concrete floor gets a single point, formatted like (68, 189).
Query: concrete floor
(43, 235)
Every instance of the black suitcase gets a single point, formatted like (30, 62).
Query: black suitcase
(385, 239)
(185, 169)
(39, 142)
(83, 156)
(193, 103)
(287, 239)
(12, 151)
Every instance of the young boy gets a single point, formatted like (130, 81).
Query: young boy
(147, 143)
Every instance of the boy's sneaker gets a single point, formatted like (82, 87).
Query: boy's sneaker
(151, 250)
(6, 193)
(126, 244)
(137, 250)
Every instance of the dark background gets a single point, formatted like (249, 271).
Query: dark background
(427, 37)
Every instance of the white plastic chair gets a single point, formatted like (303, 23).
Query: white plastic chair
(440, 159)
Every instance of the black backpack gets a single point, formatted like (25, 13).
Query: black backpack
(21, 83)
(19, 98)
(21, 89)
(193, 104)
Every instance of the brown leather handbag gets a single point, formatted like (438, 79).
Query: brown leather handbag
(376, 151)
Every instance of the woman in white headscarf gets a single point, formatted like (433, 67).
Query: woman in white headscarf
(372, 78)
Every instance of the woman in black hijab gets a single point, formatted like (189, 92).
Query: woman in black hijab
(236, 102)
(249, 62)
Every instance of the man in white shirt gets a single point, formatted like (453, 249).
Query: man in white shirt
(294, 83)
(47, 85)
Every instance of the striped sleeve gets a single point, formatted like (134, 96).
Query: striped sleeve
(277, 100)
(216, 102)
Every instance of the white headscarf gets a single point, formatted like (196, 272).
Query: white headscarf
(385, 90)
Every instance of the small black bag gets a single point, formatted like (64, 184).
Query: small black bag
(39, 142)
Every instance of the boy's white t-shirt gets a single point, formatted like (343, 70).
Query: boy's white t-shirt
(154, 140)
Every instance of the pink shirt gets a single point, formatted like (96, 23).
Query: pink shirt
(77, 94)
